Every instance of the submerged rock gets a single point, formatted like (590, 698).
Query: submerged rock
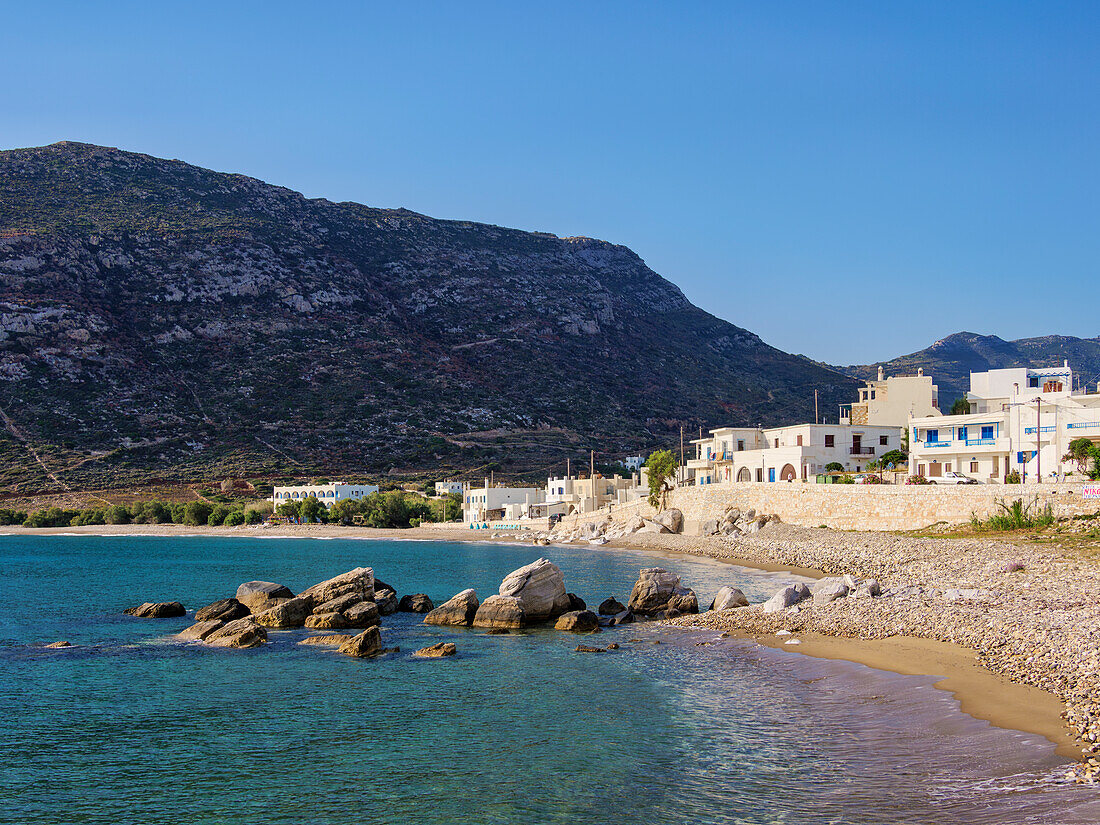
(588, 649)
(727, 598)
(289, 613)
(415, 603)
(359, 582)
(157, 610)
(539, 589)
(437, 651)
(327, 640)
(459, 610)
(58, 645)
(500, 611)
(658, 591)
(578, 621)
(240, 633)
(367, 643)
(200, 630)
(259, 596)
(224, 610)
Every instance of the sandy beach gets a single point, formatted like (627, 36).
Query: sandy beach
(1018, 649)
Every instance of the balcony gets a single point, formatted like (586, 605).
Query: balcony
(981, 442)
(861, 451)
(1084, 425)
(931, 444)
(1031, 430)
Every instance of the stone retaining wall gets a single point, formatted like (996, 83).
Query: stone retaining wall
(858, 506)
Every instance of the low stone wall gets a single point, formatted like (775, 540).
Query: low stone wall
(858, 506)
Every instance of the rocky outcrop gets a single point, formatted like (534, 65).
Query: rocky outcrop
(386, 600)
(458, 611)
(337, 605)
(367, 643)
(239, 633)
(364, 614)
(728, 598)
(288, 613)
(610, 607)
(578, 621)
(327, 640)
(659, 591)
(200, 630)
(415, 603)
(327, 621)
(359, 582)
(786, 597)
(223, 610)
(539, 588)
(500, 611)
(157, 610)
(437, 651)
(259, 596)
(58, 645)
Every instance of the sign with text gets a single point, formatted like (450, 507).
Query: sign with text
(1091, 491)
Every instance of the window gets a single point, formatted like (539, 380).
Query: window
(947, 467)
(800, 441)
(883, 440)
(872, 395)
(931, 435)
(973, 466)
(740, 445)
(829, 441)
(759, 474)
(987, 431)
(777, 442)
(962, 433)
(1033, 381)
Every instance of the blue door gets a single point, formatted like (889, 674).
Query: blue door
(962, 433)
(771, 474)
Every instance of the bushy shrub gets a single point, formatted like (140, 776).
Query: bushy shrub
(9, 517)
(117, 514)
(916, 480)
(1013, 477)
(234, 519)
(217, 516)
(197, 513)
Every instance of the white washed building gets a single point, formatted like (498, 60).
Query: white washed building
(445, 488)
(491, 503)
(327, 494)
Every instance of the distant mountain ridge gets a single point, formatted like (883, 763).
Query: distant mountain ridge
(163, 321)
(951, 360)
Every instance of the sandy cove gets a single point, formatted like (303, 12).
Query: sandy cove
(1020, 649)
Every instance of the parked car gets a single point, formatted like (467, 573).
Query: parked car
(951, 477)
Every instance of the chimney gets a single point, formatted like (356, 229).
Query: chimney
(881, 374)
(920, 371)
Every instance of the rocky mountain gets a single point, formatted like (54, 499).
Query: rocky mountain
(951, 360)
(163, 321)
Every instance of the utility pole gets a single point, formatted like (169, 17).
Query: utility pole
(1038, 440)
(592, 478)
(567, 469)
(680, 475)
(817, 420)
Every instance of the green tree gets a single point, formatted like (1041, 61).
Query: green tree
(11, 517)
(289, 509)
(197, 513)
(895, 457)
(217, 516)
(1082, 451)
(311, 510)
(834, 467)
(960, 407)
(234, 519)
(661, 467)
(117, 514)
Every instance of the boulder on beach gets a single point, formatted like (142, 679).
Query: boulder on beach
(829, 589)
(364, 614)
(786, 597)
(239, 633)
(658, 591)
(652, 527)
(415, 603)
(500, 611)
(437, 651)
(539, 588)
(326, 621)
(672, 520)
(709, 527)
(459, 610)
(200, 630)
(728, 598)
(635, 524)
(327, 640)
(157, 610)
(578, 621)
(359, 581)
(223, 610)
(367, 643)
(386, 600)
(259, 596)
(289, 613)
(866, 589)
(609, 607)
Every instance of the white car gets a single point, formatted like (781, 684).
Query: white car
(951, 477)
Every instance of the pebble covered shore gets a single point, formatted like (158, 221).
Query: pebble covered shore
(1032, 613)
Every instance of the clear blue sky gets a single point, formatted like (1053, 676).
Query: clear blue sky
(849, 180)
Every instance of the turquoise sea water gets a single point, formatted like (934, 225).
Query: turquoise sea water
(131, 727)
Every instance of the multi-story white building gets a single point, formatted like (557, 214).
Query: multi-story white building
(568, 495)
(795, 453)
(491, 503)
(1020, 420)
(891, 402)
(445, 488)
(327, 494)
(634, 462)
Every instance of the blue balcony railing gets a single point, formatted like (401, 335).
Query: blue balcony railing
(1083, 425)
(937, 444)
(980, 442)
(1031, 430)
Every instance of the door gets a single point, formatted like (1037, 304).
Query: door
(935, 470)
(857, 444)
(771, 474)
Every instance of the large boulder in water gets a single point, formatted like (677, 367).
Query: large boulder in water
(578, 621)
(385, 599)
(457, 611)
(326, 621)
(240, 633)
(367, 643)
(337, 605)
(157, 610)
(437, 651)
(259, 596)
(611, 607)
(728, 598)
(415, 603)
(359, 582)
(290, 613)
(539, 588)
(199, 631)
(658, 591)
(500, 611)
(223, 610)
(364, 614)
